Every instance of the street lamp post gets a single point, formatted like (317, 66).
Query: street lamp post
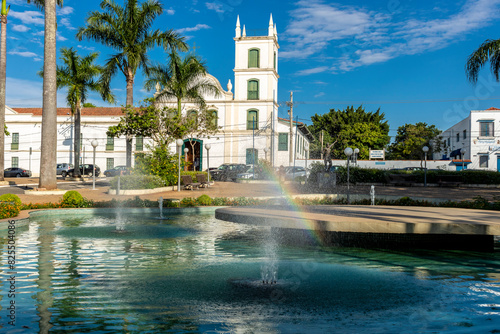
(425, 149)
(348, 152)
(179, 143)
(462, 151)
(208, 147)
(356, 152)
(94, 144)
(265, 152)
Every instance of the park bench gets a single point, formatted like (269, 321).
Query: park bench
(202, 180)
(188, 183)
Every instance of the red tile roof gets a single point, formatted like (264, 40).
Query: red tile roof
(100, 111)
(492, 108)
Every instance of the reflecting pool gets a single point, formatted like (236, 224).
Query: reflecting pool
(78, 273)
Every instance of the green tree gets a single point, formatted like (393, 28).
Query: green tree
(489, 51)
(410, 139)
(89, 105)
(351, 127)
(182, 79)
(127, 30)
(79, 75)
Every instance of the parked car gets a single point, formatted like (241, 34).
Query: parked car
(229, 172)
(294, 172)
(63, 168)
(117, 170)
(249, 174)
(86, 169)
(16, 172)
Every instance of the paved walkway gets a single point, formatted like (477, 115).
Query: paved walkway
(231, 189)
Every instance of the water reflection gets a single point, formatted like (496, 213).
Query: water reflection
(197, 274)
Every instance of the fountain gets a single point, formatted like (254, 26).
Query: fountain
(372, 194)
(160, 204)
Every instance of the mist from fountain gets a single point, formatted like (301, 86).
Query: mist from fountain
(160, 205)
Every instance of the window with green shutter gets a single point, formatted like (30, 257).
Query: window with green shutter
(251, 156)
(110, 144)
(252, 120)
(253, 90)
(139, 145)
(110, 163)
(253, 58)
(15, 162)
(283, 141)
(15, 141)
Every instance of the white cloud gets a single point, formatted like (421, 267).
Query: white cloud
(217, 7)
(313, 70)
(365, 37)
(20, 28)
(319, 94)
(170, 11)
(66, 23)
(89, 48)
(195, 28)
(60, 37)
(28, 17)
(26, 54)
(66, 10)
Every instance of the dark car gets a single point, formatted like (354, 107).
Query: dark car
(16, 172)
(86, 170)
(229, 172)
(117, 170)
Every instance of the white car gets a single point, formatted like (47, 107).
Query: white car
(249, 174)
(293, 172)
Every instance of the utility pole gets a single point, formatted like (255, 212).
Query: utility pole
(290, 104)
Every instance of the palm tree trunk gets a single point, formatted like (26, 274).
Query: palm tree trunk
(3, 78)
(48, 157)
(77, 143)
(130, 102)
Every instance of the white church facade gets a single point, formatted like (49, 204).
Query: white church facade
(248, 117)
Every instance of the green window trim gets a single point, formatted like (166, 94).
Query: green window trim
(253, 58)
(253, 90)
(252, 156)
(110, 163)
(15, 142)
(252, 120)
(139, 143)
(283, 141)
(110, 143)
(15, 162)
(215, 117)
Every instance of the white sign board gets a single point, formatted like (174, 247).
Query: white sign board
(377, 154)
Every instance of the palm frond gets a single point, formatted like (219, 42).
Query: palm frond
(488, 51)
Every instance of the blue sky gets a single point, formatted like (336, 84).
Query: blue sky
(405, 57)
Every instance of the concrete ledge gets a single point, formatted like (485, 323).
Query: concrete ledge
(37, 192)
(141, 191)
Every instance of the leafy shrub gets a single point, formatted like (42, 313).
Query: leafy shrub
(188, 201)
(136, 181)
(204, 200)
(160, 162)
(73, 199)
(10, 205)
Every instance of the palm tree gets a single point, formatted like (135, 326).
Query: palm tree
(182, 79)
(127, 30)
(488, 51)
(78, 76)
(3, 77)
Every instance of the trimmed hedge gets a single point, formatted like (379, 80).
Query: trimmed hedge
(128, 182)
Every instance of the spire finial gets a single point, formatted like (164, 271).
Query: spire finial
(244, 34)
(238, 30)
(271, 28)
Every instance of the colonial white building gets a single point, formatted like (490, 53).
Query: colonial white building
(479, 136)
(248, 118)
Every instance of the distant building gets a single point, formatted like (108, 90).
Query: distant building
(249, 119)
(479, 136)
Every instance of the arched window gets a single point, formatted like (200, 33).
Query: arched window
(252, 120)
(253, 89)
(215, 117)
(253, 58)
